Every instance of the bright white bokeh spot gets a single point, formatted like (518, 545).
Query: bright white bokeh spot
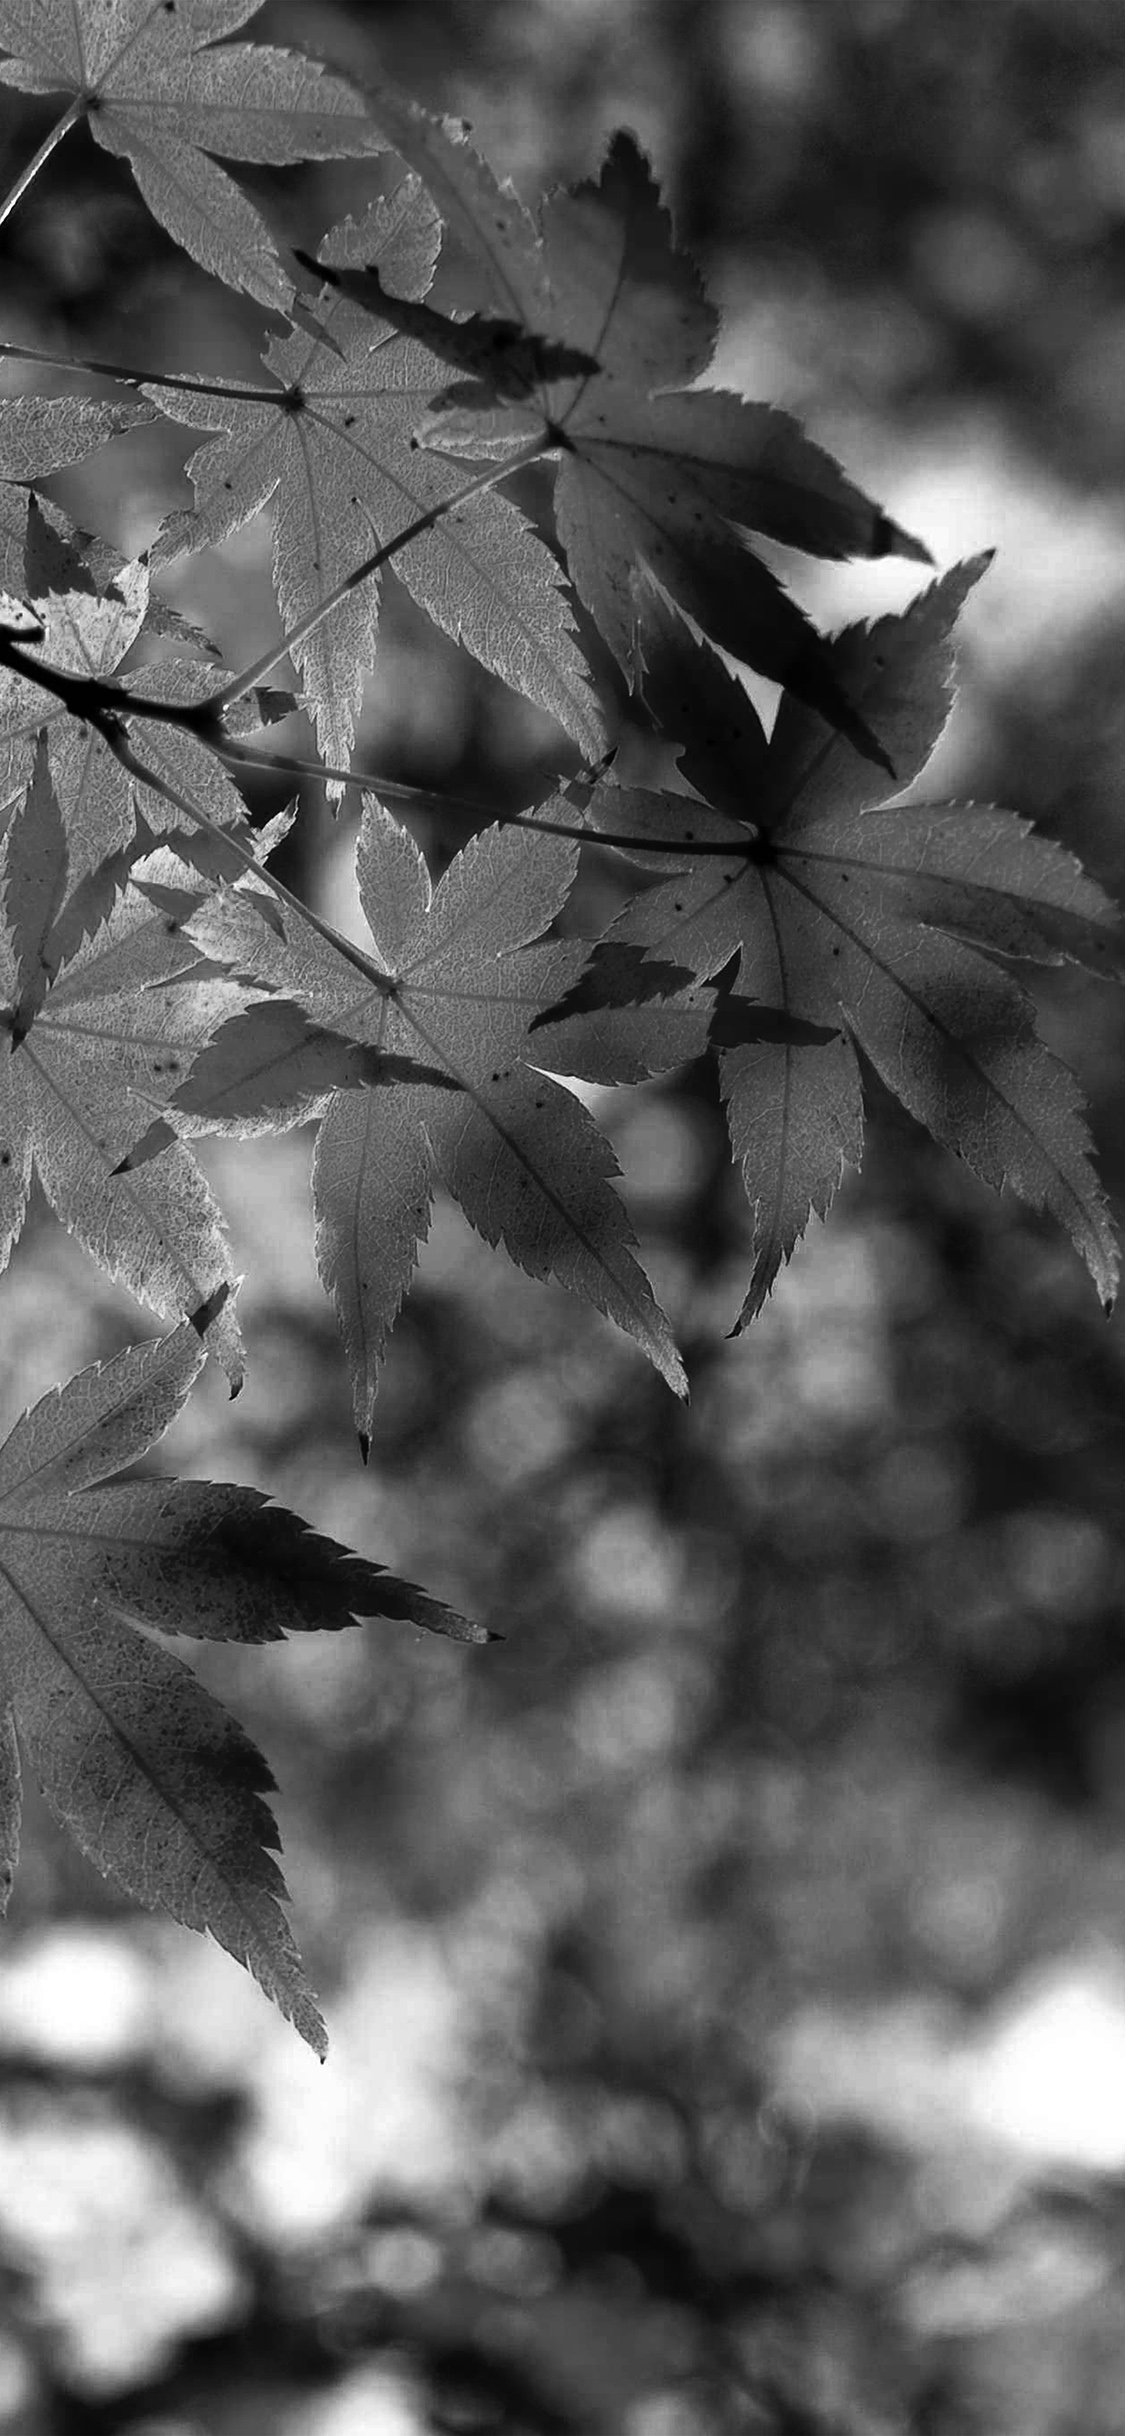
(367, 2403)
(1040, 2086)
(1049, 2078)
(626, 1563)
(76, 1996)
(382, 2113)
(126, 2264)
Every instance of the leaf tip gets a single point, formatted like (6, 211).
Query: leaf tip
(297, 2003)
(891, 540)
(158, 1137)
(364, 1439)
(867, 743)
(676, 1376)
(1104, 1266)
(205, 1312)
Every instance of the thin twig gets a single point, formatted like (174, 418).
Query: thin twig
(247, 678)
(69, 119)
(121, 748)
(105, 710)
(196, 383)
(621, 840)
(107, 706)
(239, 756)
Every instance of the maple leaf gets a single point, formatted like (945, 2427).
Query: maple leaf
(87, 1040)
(151, 89)
(18, 620)
(650, 471)
(333, 445)
(510, 361)
(501, 252)
(641, 304)
(159, 1786)
(93, 608)
(38, 436)
(268, 1066)
(626, 1018)
(867, 925)
(467, 969)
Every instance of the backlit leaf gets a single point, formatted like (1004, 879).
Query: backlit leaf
(158, 1785)
(501, 252)
(654, 474)
(93, 608)
(334, 452)
(85, 1049)
(39, 435)
(469, 971)
(841, 916)
(153, 91)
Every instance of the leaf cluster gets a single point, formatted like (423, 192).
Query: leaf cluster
(796, 902)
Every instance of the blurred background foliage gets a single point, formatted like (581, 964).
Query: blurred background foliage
(726, 1971)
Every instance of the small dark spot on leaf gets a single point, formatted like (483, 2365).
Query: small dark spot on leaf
(349, 419)
(5, 1158)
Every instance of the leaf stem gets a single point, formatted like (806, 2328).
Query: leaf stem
(393, 790)
(107, 706)
(396, 790)
(69, 119)
(247, 678)
(123, 751)
(196, 383)
(106, 710)
(730, 849)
